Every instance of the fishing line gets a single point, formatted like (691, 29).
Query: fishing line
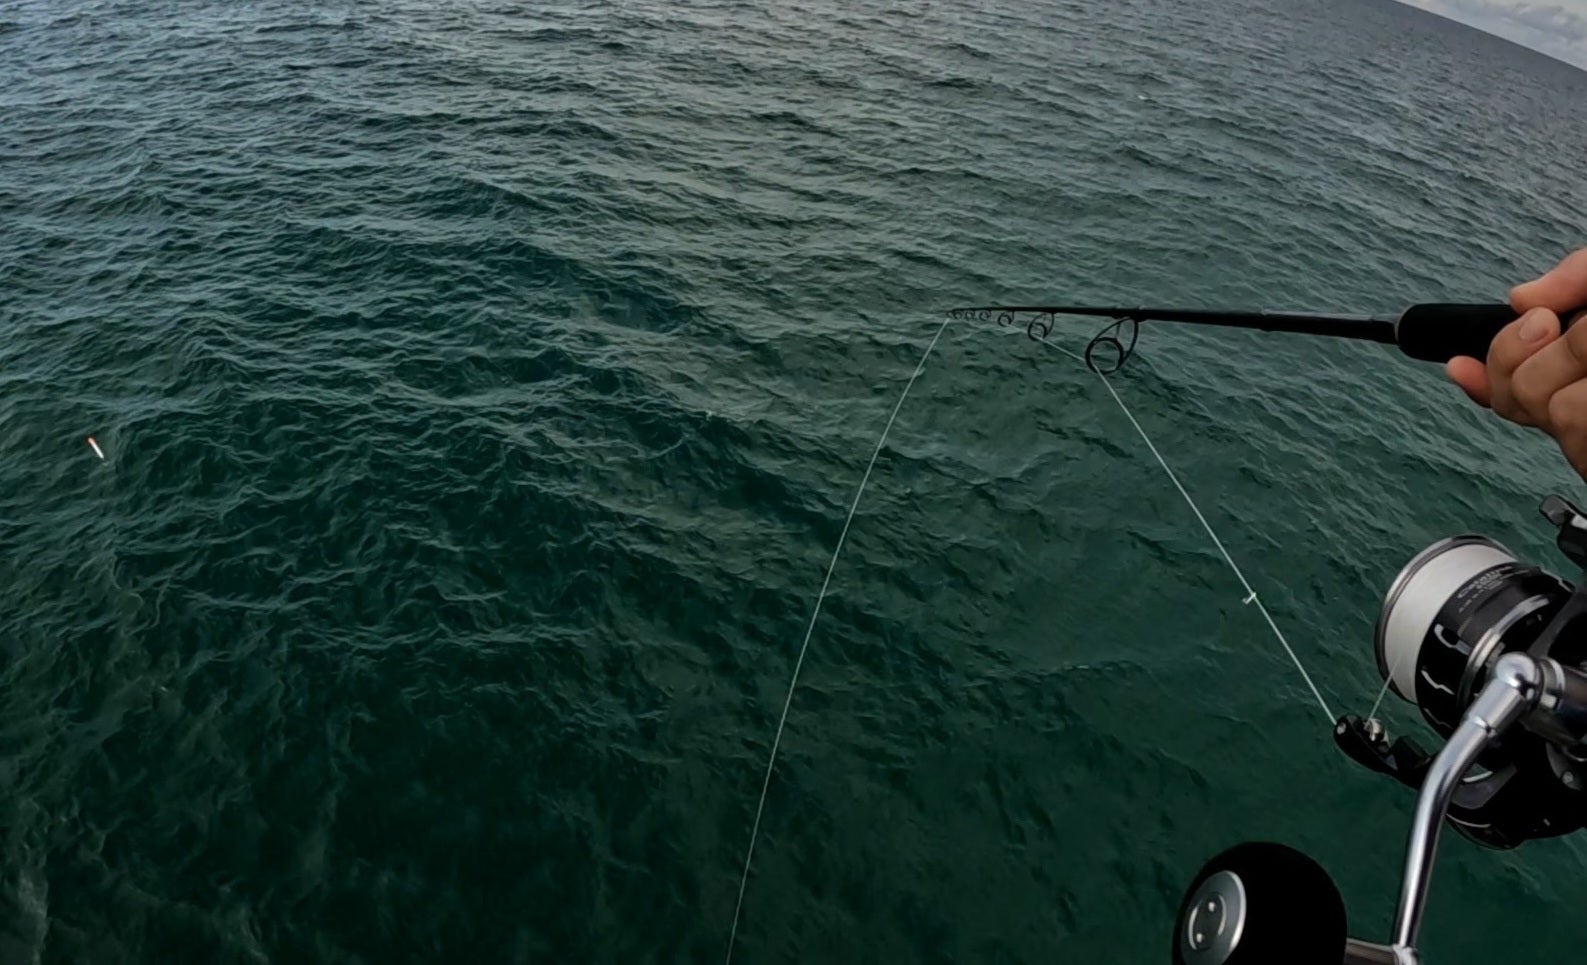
(837, 550)
(1383, 690)
(776, 742)
(1250, 593)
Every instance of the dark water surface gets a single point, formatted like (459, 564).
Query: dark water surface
(483, 389)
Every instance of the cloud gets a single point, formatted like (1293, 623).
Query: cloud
(1558, 28)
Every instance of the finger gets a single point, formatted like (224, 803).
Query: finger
(1568, 413)
(1472, 377)
(1515, 343)
(1558, 364)
(1562, 289)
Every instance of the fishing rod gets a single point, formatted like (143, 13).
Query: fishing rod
(1431, 332)
(1492, 651)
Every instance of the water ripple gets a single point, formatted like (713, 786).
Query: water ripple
(482, 390)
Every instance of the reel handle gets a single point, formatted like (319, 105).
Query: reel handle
(1262, 903)
(1439, 331)
(1366, 953)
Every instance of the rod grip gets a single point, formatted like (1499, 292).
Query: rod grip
(1439, 332)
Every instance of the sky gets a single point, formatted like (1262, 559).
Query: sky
(1557, 27)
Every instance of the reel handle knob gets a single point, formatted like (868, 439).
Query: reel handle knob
(1259, 903)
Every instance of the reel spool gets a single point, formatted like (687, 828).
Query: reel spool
(1451, 613)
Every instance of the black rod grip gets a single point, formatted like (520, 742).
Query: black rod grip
(1439, 332)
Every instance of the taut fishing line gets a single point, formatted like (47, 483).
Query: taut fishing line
(1251, 597)
(1118, 338)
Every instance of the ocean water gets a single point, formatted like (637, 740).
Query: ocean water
(483, 388)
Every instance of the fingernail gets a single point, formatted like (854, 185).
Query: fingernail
(1535, 328)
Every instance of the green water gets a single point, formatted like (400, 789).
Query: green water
(483, 390)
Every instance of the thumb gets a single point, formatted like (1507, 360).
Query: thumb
(1472, 377)
(1563, 289)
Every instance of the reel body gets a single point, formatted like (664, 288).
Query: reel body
(1450, 615)
(1493, 652)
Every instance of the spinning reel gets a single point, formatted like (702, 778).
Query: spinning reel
(1493, 652)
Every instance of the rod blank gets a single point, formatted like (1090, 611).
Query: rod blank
(1431, 332)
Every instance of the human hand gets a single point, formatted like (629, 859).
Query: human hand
(1535, 375)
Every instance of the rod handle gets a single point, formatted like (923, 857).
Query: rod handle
(1438, 332)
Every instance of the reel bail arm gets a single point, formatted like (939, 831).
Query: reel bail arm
(1364, 741)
